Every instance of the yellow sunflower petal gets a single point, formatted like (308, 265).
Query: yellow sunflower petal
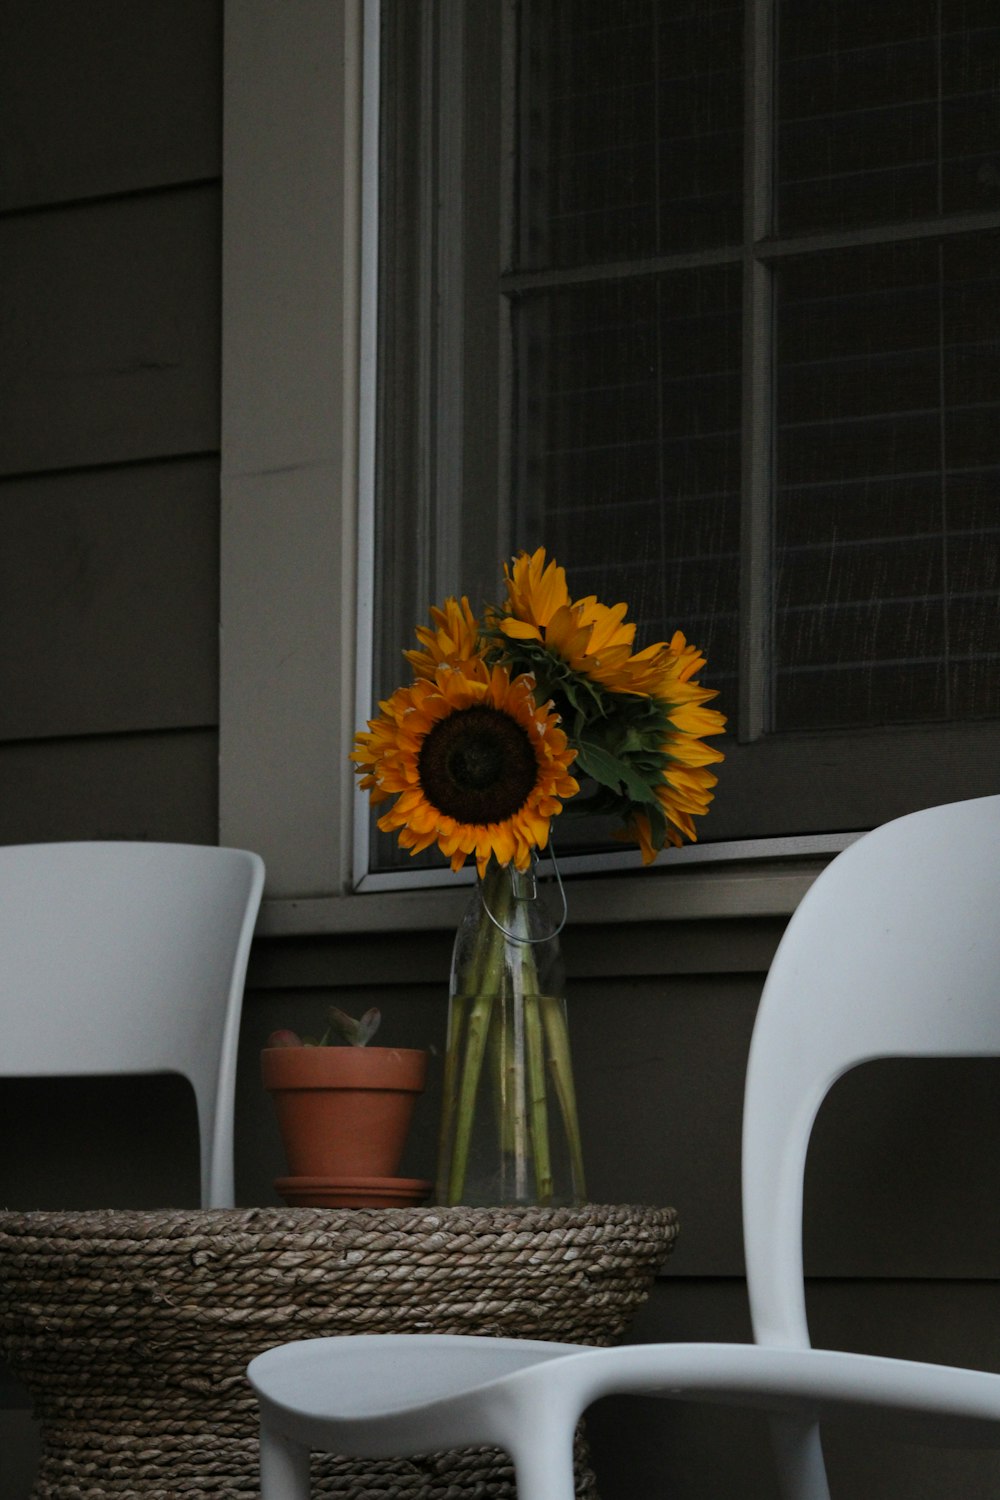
(693, 719)
(519, 630)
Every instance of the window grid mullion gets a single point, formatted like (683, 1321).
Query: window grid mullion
(756, 618)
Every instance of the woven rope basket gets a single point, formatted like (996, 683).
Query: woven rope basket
(132, 1331)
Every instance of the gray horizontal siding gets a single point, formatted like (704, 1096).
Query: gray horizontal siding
(109, 600)
(107, 97)
(111, 332)
(141, 786)
(110, 307)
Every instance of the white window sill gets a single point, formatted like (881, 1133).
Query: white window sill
(765, 878)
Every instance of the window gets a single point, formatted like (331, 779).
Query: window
(702, 295)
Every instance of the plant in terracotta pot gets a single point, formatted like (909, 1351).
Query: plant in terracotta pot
(344, 1110)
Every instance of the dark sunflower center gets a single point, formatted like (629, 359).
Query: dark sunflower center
(478, 765)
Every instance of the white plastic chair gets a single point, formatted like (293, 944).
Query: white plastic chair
(894, 951)
(130, 958)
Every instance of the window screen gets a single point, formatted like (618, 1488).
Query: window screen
(880, 410)
(630, 141)
(887, 557)
(886, 111)
(631, 448)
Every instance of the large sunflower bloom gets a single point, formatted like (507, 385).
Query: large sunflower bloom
(592, 638)
(476, 766)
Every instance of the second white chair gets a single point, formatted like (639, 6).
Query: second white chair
(894, 951)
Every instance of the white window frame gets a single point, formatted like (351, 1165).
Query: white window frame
(299, 217)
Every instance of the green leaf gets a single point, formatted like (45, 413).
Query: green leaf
(355, 1033)
(612, 772)
(657, 826)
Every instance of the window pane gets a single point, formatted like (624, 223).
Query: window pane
(629, 411)
(887, 603)
(886, 111)
(631, 117)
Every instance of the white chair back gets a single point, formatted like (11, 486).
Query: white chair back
(130, 958)
(893, 952)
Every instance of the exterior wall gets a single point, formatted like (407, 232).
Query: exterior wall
(109, 603)
(110, 240)
(110, 157)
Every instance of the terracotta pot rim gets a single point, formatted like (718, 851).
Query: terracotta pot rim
(337, 1047)
(400, 1069)
(404, 1184)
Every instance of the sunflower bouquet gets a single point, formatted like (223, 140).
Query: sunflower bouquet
(537, 707)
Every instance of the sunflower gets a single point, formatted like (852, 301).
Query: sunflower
(683, 789)
(475, 764)
(593, 639)
(683, 793)
(453, 635)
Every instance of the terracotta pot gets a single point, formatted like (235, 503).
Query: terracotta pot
(343, 1111)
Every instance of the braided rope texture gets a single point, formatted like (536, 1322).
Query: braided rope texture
(132, 1330)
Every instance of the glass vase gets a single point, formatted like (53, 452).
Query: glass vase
(509, 1127)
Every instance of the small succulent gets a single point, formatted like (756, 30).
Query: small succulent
(341, 1028)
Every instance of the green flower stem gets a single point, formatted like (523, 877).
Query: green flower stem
(532, 1110)
(525, 1092)
(538, 1101)
(478, 988)
(475, 1047)
(499, 897)
(449, 1087)
(499, 1046)
(515, 1105)
(562, 1076)
(500, 1021)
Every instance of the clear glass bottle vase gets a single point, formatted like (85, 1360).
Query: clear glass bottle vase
(509, 1127)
